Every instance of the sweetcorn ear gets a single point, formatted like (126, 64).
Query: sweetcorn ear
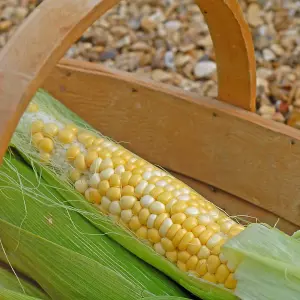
(144, 208)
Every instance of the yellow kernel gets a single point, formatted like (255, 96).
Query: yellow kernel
(105, 164)
(139, 162)
(194, 246)
(127, 202)
(173, 230)
(213, 262)
(192, 262)
(136, 208)
(178, 237)
(82, 136)
(178, 218)
(138, 171)
(154, 179)
(50, 130)
(45, 157)
(46, 145)
(134, 180)
(126, 155)
(117, 161)
(183, 256)
(156, 192)
(143, 215)
(126, 215)
(98, 141)
(205, 236)
(128, 190)
(134, 223)
(37, 126)
(204, 252)
(214, 226)
(104, 153)
(88, 142)
(181, 266)
(129, 166)
(36, 138)
(190, 223)
(171, 256)
(66, 136)
(113, 193)
(72, 152)
(153, 236)
(75, 175)
(217, 249)
(142, 233)
(210, 277)
(115, 180)
(103, 187)
(167, 244)
(201, 267)
(230, 282)
(90, 157)
(125, 176)
(160, 219)
(198, 230)
(93, 196)
(185, 241)
(164, 197)
(72, 127)
(79, 162)
(94, 148)
(222, 273)
(32, 108)
(235, 230)
(179, 207)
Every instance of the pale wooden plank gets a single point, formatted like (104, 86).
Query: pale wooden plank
(236, 151)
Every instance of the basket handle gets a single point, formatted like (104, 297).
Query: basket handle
(55, 25)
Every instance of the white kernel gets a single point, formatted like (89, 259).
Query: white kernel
(113, 148)
(222, 258)
(94, 180)
(105, 203)
(214, 214)
(213, 241)
(231, 266)
(170, 204)
(147, 200)
(139, 189)
(159, 249)
(184, 191)
(156, 173)
(147, 175)
(126, 215)
(120, 169)
(192, 211)
(107, 173)
(183, 197)
(115, 208)
(81, 185)
(127, 202)
(151, 220)
(132, 160)
(161, 183)
(204, 220)
(226, 226)
(176, 193)
(169, 188)
(165, 226)
(95, 166)
(204, 252)
(106, 144)
(148, 189)
(157, 208)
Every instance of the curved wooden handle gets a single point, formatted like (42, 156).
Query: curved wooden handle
(55, 25)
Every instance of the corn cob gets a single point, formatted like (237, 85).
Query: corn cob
(178, 223)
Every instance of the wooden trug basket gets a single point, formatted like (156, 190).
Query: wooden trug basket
(221, 148)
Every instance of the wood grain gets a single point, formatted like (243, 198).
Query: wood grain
(34, 50)
(234, 150)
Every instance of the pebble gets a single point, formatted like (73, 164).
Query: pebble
(160, 75)
(5, 25)
(204, 69)
(254, 15)
(105, 55)
(268, 55)
(173, 25)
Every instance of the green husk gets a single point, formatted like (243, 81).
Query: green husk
(19, 284)
(198, 287)
(6, 294)
(62, 273)
(28, 202)
(269, 263)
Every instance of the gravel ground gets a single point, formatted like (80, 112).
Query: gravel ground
(168, 41)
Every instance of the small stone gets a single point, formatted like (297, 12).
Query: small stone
(278, 117)
(268, 55)
(172, 26)
(21, 12)
(169, 60)
(140, 46)
(267, 110)
(204, 69)
(7, 13)
(109, 54)
(254, 15)
(160, 75)
(187, 47)
(134, 23)
(5, 25)
(181, 59)
(148, 24)
(119, 31)
(264, 73)
(277, 49)
(125, 41)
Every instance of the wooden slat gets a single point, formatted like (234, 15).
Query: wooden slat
(235, 206)
(234, 150)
